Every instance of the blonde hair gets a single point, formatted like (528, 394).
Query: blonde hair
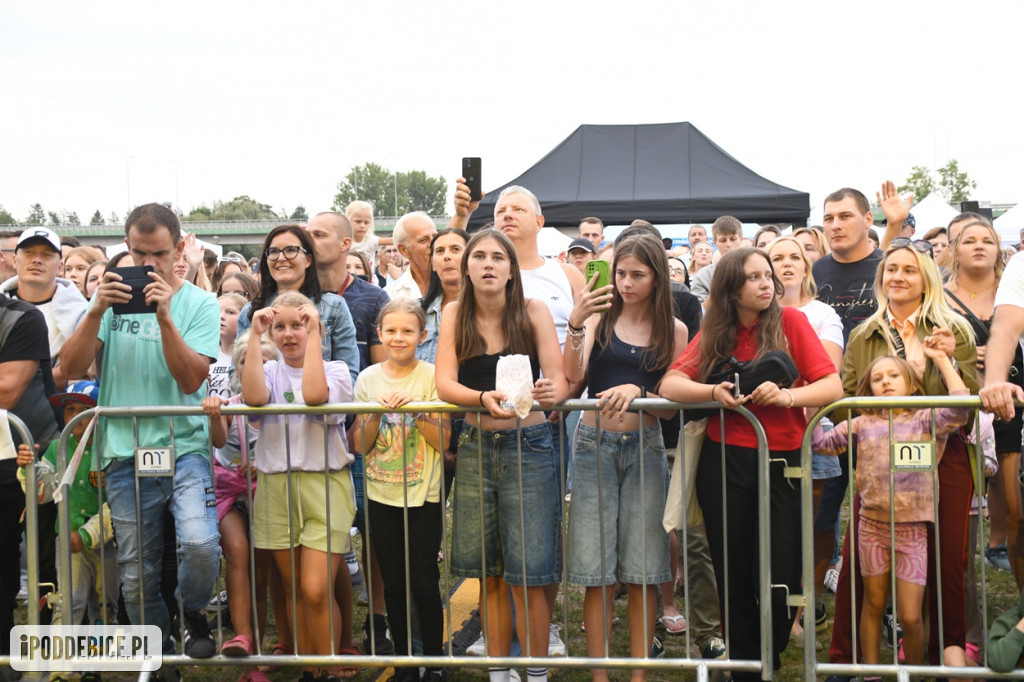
(818, 236)
(934, 308)
(293, 299)
(403, 304)
(359, 205)
(995, 236)
(238, 357)
(808, 288)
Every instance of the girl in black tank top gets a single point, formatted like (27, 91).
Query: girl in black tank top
(492, 318)
(622, 339)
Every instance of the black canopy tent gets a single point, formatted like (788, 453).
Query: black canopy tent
(664, 173)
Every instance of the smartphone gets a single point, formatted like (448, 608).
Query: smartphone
(601, 268)
(471, 172)
(137, 278)
(736, 386)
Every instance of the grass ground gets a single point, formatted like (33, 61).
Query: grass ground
(1001, 594)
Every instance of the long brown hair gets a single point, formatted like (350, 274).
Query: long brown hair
(649, 251)
(718, 331)
(516, 326)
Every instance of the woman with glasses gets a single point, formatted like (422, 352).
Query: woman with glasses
(288, 264)
(912, 315)
(977, 266)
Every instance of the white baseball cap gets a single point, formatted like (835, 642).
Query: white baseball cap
(33, 234)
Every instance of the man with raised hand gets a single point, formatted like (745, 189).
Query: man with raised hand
(156, 358)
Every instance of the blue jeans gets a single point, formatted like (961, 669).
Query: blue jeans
(192, 502)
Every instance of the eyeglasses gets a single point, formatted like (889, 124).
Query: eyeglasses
(289, 252)
(677, 271)
(919, 245)
(231, 259)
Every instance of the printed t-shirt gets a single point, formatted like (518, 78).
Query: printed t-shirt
(306, 432)
(135, 373)
(401, 457)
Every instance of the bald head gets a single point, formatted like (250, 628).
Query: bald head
(332, 236)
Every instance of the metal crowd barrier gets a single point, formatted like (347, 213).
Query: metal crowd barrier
(904, 456)
(702, 668)
(31, 529)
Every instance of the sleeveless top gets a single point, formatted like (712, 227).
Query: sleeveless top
(479, 371)
(620, 363)
(550, 284)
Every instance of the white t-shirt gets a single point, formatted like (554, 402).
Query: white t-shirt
(368, 247)
(1011, 285)
(824, 320)
(306, 444)
(220, 374)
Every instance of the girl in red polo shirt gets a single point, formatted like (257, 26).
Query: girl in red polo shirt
(745, 320)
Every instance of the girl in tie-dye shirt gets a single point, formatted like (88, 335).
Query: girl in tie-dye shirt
(912, 499)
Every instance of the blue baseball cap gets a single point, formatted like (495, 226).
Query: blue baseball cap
(85, 392)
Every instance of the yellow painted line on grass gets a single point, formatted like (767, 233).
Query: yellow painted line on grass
(460, 605)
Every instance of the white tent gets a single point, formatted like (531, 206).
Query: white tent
(1010, 224)
(551, 242)
(932, 211)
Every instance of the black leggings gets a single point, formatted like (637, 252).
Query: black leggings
(389, 540)
(741, 515)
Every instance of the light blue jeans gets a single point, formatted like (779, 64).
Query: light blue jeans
(192, 502)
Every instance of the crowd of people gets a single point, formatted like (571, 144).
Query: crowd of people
(331, 313)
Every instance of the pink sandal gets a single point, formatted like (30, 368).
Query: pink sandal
(239, 645)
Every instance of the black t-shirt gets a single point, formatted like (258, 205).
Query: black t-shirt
(23, 336)
(849, 288)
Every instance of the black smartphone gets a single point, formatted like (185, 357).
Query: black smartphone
(471, 172)
(137, 278)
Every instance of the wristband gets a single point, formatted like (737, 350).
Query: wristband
(568, 325)
(643, 392)
(792, 400)
(482, 398)
(713, 392)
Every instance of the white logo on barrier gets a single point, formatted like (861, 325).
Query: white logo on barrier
(154, 461)
(73, 648)
(913, 455)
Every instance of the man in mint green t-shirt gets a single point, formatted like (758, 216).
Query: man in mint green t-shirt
(160, 357)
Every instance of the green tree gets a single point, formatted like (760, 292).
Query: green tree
(97, 218)
(299, 215)
(239, 208)
(955, 185)
(36, 215)
(55, 218)
(415, 190)
(420, 192)
(114, 219)
(920, 182)
(6, 218)
(70, 218)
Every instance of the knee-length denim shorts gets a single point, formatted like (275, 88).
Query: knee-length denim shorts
(618, 501)
(506, 508)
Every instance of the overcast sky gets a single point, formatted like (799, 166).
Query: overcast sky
(278, 100)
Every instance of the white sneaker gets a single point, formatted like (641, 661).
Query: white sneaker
(556, 647)
(513, 675)
(831, 580)
(477, 648)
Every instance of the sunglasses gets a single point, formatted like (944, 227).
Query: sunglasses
(919, 245)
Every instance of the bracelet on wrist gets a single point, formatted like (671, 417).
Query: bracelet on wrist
(792, 400)
(482, 398)
(570, 327)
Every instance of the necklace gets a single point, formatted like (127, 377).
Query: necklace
(974, 294)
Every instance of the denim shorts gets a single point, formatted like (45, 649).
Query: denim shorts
(825, 466)
(615, 528)
(506, 507)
